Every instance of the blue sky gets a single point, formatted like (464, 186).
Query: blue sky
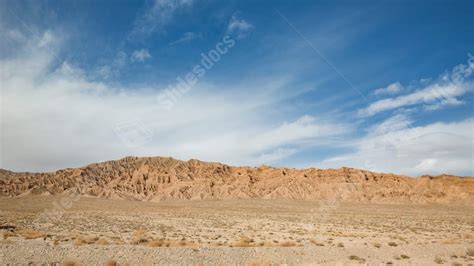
(380, 85)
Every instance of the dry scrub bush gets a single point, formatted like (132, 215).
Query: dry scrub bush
(155, 243)
(288, 244)
(30, 233)
(110, 262)
(470, 252)
(354, 257)
(78, 241)
(69, 262)
(8, 234)
(102, 241)
(139, 237)
(438, 260)
(244, 242)
(316, 243)
(258, 263)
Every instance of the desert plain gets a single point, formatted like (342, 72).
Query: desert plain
(234, 232)
(161, 211)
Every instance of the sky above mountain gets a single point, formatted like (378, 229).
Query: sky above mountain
(385, 86)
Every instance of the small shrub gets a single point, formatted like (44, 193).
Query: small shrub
(288, 244)
(470, 252)
(102, 241)
(340, 245)
(404, 256)
(155, 243)
(110, 262)
(392, 244)
(354, 257)
(8, 234)
(69, 262)
(30, 233)
(377, 245)
(244, 242)
(438, 260)
(78, 241)
(314, 242)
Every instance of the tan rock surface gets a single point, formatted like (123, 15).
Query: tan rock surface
(164, 178)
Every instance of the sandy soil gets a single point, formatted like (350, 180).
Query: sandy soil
(91, 231)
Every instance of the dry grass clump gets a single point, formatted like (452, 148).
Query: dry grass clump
(470, 252)
(288, 244)
(155, 243)
(8, 234)
(92, 239)
(392, 244)
(316, 243)
(357, 258)
(244, 242)
(110, 262)
(70, 262)
(439, 260)
(377, 245)
(258, 263)
(30, 233)
(159, 243)
(340, 245)
(102, 241)
(455, 263)
(78, 241)
(139, 237)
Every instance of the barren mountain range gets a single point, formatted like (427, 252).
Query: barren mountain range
(164, 178)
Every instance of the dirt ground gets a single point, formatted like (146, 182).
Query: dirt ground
(90, 231)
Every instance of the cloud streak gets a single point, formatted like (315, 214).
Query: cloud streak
(442, 93)
(155, 17)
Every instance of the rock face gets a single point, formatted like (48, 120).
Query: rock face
(162, 178)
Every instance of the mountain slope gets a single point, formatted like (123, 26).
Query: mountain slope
(161, 178)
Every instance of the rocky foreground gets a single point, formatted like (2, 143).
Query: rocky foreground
(164, 178)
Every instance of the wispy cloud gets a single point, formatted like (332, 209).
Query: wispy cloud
(155, 17)
(391, 89)
(140, 55)
(187, 37)
(441, 93)
(239, 26)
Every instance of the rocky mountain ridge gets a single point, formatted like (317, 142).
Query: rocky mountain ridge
(165, 178)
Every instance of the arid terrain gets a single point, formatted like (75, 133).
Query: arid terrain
(162, 211)
(93, 231)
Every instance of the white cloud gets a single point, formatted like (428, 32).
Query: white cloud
(156, 17)
(394, 146)
(239, 27)
(54, 116)
(391, 89)
(187, 37)
(140, 55)
(441, 93)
